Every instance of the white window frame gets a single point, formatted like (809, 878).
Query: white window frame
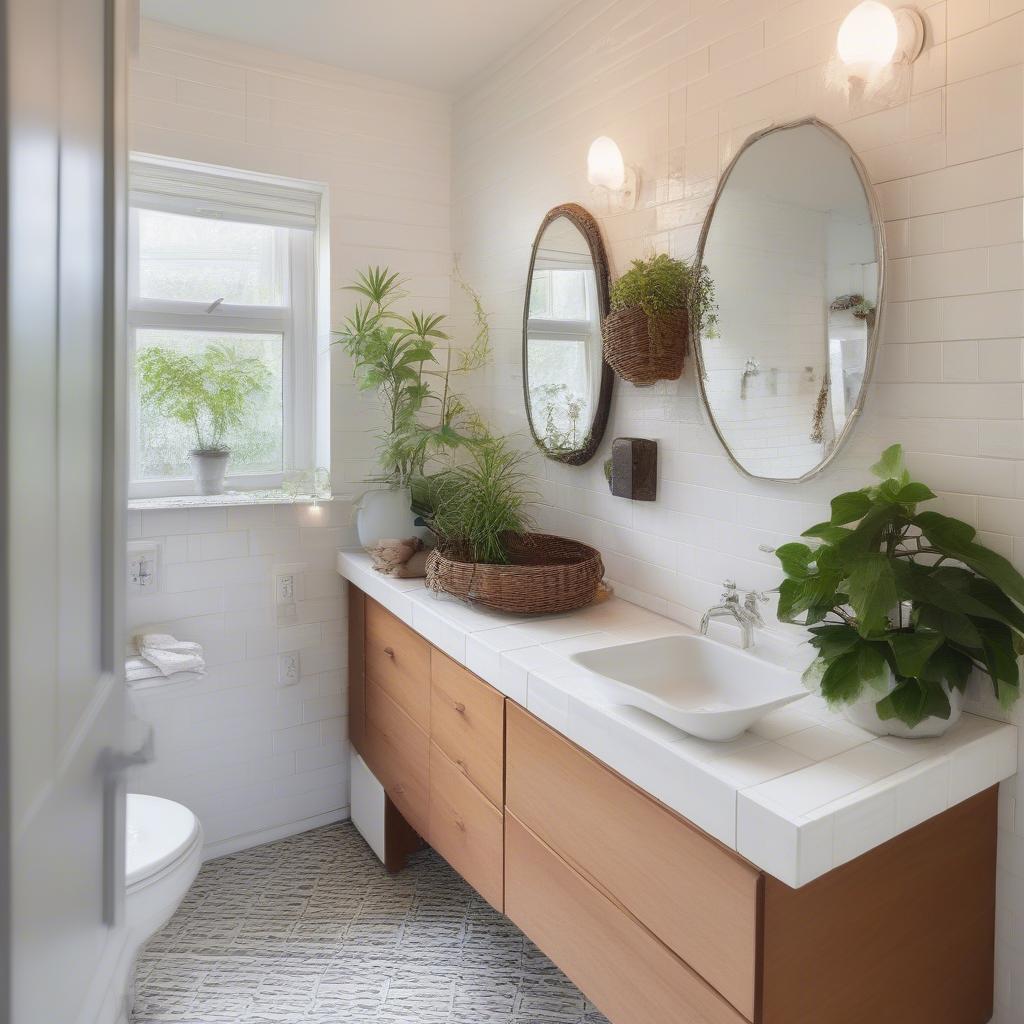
(552, 329)
(303, 323)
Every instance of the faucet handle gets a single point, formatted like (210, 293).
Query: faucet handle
(731, 591)
(750, 604)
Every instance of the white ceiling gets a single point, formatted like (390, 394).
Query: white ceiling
(437, 44)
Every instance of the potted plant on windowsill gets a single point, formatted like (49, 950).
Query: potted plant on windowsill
(486, 553)
(653, 307)
(407, 361)
(209, 394)
(902, 606)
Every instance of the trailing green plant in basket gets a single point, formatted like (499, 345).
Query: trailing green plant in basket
(903, 602)
(662, 284)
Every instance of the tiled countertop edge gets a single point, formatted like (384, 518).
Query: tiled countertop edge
(767, 795)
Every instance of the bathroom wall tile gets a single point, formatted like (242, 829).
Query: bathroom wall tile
(998, 45)
(960, 360)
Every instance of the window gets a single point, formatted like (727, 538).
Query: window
(223, 258)
(562, 324)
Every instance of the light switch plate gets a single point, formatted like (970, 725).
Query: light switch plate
(143, 567)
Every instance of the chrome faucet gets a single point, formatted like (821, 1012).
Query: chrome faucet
(746, 614)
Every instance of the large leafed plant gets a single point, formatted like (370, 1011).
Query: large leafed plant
(902, 602)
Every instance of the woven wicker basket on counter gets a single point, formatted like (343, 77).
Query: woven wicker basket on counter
(548, 574)
(644, 349)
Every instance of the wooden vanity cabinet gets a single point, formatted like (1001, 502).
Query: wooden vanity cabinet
(700, 899)
(653, 919)
(434, 736)
(621, 966)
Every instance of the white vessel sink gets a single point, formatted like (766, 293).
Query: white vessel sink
(698, 685)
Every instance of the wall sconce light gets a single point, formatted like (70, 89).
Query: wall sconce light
(608, 174)
(875, 47)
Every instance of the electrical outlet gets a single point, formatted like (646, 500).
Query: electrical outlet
(288, 668)
(143, 565)
(285, 583)
(288, 591)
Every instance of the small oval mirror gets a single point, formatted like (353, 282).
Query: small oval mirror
(793, 246)
(566, 383)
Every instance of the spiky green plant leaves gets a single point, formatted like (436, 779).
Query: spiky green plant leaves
(476, 505)
(405, 359)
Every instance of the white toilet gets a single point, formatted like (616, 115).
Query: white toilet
(163, 851)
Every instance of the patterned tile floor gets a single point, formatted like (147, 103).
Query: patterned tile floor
(312, 930)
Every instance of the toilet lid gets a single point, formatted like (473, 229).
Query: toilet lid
(157, 832)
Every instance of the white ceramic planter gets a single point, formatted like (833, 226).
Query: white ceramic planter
(385, 514)
(208, 469)
(863, 713)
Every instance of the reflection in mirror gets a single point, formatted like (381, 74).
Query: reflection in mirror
(566, 382)
(792, 244)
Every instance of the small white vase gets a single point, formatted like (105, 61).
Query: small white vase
(208, 469)
(385, 514)
(863, 713)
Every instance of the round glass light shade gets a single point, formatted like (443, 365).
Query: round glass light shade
(868, 37)
(605, 165)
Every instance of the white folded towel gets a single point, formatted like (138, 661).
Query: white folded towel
(159, 654)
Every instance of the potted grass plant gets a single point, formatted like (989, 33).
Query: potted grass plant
(903, 605)
(486, 551)
(653, 307)
(209, 393)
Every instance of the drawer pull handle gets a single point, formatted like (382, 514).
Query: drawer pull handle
(460, 824)
(399, 789)
(459, 706)
(462, 766)
(390, 652)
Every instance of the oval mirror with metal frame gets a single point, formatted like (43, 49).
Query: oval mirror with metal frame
(794, 248)
(567, 386)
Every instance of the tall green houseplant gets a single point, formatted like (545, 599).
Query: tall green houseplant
(408, 361)
(902, 604)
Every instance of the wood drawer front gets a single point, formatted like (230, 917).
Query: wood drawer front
(621, 967)
(698, 898)
(398, 660)
(356, 666)
(397, 751)
(467, 721)
(466, 828)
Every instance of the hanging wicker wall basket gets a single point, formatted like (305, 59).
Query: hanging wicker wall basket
(548, 575)
(644, 349)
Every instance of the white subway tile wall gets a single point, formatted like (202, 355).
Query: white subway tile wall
(251, 758)
(679, 84)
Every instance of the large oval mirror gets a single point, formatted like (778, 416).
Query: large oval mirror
(566, 383)
(793, 247)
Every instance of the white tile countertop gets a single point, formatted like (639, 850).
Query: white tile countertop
(802, 792)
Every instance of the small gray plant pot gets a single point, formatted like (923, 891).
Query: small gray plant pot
(208, 468)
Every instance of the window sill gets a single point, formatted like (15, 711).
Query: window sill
(230, 499)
